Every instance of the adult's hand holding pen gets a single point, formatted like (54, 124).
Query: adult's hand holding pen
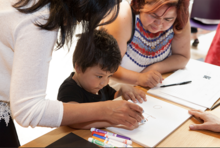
(211, 122)
(122, 112)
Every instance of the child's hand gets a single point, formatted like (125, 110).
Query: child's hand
(211, 122)
(132, 93)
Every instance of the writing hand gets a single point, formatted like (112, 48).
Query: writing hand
(122, 112)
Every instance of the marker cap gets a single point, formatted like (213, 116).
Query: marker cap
(90, 139)
(92, 129)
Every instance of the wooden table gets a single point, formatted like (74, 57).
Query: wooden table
(181, 137)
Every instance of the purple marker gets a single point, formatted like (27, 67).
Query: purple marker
(109, 133)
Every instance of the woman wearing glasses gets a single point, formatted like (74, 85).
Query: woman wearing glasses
(154, 38)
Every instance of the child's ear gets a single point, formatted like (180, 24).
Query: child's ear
(77, 68)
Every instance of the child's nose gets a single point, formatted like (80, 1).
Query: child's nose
(104, 83)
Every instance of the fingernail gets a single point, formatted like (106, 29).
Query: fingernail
(191, 126)
(143, 121)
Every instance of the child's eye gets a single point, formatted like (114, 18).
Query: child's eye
(110, 76)
(99, 77)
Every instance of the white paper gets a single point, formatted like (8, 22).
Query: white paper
(177, 100)
(162, 119)
(202, 91)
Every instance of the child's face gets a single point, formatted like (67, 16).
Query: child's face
(94, 79)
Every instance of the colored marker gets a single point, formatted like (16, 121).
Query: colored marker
(97, 134)
(109, 133)
(100, 143)
(112, 142)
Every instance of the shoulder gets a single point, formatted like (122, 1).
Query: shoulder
(125, 11)
(184, 31)
(122, 24)
(69, 84)
(69, 91)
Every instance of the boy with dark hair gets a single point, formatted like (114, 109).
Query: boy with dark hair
(89, 83)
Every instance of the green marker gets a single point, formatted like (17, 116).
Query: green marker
(100, 143)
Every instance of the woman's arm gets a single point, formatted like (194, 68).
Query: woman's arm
(180, 53)
(88, 125)
(32, 54)
(121, 29)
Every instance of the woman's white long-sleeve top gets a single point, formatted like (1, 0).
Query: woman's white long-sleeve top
(25, 54)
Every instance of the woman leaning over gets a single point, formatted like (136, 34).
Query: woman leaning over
(29, 31)
(154, 38)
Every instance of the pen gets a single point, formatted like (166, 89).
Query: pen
(215, 106)
(109, 133)
(181, 83)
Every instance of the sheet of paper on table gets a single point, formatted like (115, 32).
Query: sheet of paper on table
(162, 118)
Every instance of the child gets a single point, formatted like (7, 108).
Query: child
(89, 83)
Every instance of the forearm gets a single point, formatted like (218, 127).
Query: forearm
(126, 76)
(172, 63)
(89, 125)
(84, 112)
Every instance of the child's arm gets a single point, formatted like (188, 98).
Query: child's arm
(131, 93)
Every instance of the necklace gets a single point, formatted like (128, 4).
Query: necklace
(152, 44)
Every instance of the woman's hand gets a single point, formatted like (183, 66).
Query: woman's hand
(150, 78)
(132, 93)
(211, 122)
(122, 112)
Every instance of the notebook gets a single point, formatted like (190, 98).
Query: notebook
(162, 118)
(201, 93)
(72, 140)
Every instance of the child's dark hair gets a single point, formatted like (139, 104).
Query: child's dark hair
(105, 52)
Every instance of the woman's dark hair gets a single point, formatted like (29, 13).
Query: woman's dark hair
(182, 7)
(105, 52)
(64, 15)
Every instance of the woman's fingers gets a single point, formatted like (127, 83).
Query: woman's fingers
(196, 113)
(123, 112)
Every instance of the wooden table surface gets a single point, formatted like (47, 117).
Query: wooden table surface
(181, 137)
